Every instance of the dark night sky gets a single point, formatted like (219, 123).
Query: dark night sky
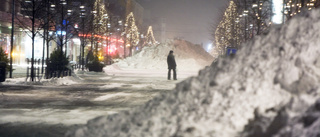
(187, 19)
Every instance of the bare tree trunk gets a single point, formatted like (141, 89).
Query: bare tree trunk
(33, 38)
(43, 50)
(47, 37)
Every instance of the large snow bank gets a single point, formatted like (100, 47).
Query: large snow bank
(268, 72)
(188, 57)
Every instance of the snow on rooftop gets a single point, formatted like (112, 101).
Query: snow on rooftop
(267, 72)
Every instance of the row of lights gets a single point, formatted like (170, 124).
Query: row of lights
(246, 12)
(289, 6)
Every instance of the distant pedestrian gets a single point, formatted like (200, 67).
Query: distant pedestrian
(171, 65)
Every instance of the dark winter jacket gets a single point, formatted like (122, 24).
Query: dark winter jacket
(171, 61)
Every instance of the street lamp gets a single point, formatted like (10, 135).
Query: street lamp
(254, 5)
(106, 17)
(82, 15)
(12, 33)
(69, 12)
(63, 2)
(52, 7)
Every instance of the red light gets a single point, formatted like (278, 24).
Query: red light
(84, 35)
(103, 37)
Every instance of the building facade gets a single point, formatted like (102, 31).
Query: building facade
(22, 46)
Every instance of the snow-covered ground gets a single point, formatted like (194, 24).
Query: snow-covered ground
(272, 71)
(63, 92)
(50, 107)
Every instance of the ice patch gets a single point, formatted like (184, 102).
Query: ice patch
(109, 96)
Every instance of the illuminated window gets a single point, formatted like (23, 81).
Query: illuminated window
(277, 8)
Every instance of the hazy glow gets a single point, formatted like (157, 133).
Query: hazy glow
(59, 32)
(38, 45)
(209, 47)
(76, 40)
(277, 18)
(185, 19)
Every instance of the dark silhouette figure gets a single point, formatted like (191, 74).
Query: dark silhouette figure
(171, 65)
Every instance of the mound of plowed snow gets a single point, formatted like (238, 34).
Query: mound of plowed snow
(188, 57)
(266, 73)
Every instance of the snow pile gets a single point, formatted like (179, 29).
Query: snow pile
(188, 57)
(69, 80)
(14, 81)
(305, 125)
(267, 73)
(291, 120)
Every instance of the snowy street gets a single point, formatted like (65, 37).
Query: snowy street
(50, 109)
(160, 68)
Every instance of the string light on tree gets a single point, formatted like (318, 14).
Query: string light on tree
(100, 16)
(150, 40)
(228, 31)
(99, 23)
(311, 4)
(293, 7)
(132, 33)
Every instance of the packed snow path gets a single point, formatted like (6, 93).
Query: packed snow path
(50, 108)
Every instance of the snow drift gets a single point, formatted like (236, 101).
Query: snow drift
(188, 57)
(68, 80)
(266, 74)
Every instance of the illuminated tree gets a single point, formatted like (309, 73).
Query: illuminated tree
(228, 31)
(100, 21)
(100, 17)
(150, 40)
(260, 16)
(255, 16)
(131, 34)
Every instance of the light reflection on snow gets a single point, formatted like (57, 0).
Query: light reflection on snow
(51, 116)
(109, 96)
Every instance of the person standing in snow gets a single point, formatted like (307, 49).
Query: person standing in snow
(171, 65)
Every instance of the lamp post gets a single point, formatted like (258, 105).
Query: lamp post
(245, 14)
(12, 33)
(125, 42)
(63, 22)
(69, 13)
(119, 34)
(106, 17)
(82, 15)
